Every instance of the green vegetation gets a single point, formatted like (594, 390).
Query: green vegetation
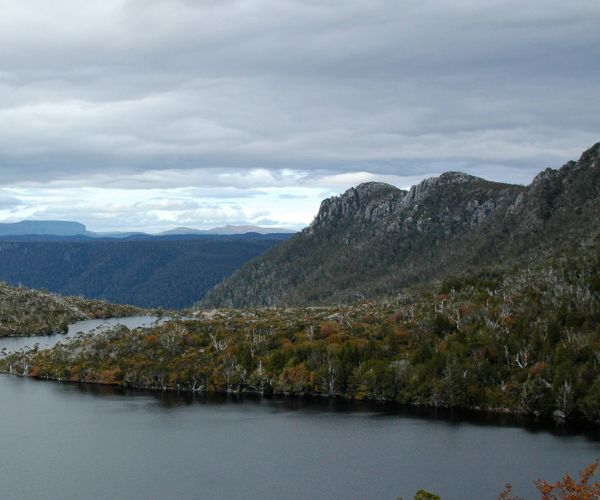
(376, 239)
(26, 312)
(524, 340)
(424, 495)
(155, 273)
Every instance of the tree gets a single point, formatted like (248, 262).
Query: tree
(571, 489)
(424, 495)
(566, 489)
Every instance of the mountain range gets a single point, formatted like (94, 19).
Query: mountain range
(375, 239)
(69, 229)
(228, 230)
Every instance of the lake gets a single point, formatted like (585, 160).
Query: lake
(80, 441)
(86, 326)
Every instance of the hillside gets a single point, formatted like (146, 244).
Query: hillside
(170, 273)
(375, 239)
(524, 341)
(24, 311)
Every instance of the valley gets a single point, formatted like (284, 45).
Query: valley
(480, 325)
(167, 272)
(459, 295)
(298, 249)
(513, 341)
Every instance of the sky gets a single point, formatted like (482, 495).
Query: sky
(155, 114)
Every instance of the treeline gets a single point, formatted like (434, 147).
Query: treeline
(523, 341)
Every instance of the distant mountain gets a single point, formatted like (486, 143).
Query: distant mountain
(146, 237)
(228, 229)
(159, 272)
(58, 228)
(38, 228)
(209, 237)
(375, 238)
(180, 231)
(116, 234)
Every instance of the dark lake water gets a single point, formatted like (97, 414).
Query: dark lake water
(63, 441)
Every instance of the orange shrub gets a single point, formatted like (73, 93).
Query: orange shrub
(329, 328)
(538, 368)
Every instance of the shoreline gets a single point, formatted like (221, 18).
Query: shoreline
(477, 412)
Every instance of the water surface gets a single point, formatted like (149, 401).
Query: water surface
(85, 326)
(71, 441)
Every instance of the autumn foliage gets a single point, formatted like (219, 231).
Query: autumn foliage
(568, 488)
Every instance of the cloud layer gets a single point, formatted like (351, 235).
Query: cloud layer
(233, 97)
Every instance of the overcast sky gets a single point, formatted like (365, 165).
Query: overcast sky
(152, 114)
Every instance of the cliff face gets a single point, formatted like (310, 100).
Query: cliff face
(368, 202)
(376, 238)
(452, 196)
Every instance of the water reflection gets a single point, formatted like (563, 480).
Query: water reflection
(308, 405)
(63, 440)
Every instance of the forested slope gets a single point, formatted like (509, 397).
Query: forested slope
(522, 340)
(169, 273)
(376, 239)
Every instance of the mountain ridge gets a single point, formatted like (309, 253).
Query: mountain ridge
(375, 238)
(228, 229)
(77, 229)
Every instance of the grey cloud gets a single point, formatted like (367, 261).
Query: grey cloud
(144, 216)
(7, 201)
(152, 93)
(268, 222)
(291, 196)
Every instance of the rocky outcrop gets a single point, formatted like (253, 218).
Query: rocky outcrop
(376, 238)
(469, 199)
(369, 201)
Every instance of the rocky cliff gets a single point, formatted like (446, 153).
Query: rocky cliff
(375, 239)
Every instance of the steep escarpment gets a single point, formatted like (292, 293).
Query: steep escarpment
(375, 239)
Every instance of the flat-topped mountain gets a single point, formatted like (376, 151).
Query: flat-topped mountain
(375, 238)
(42, 227)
